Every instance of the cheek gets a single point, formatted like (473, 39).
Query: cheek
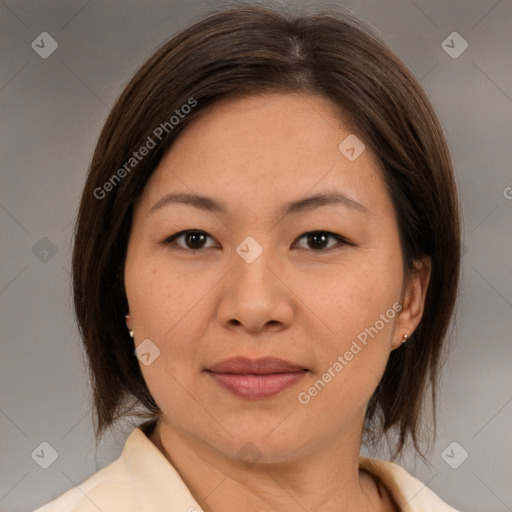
(169, 305)
(163, 303)
(352, 297)
(355, 311)
(158, 309)
(160, 298)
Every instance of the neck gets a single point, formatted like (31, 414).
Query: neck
(325, 478)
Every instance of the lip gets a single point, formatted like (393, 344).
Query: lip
(261, 366)
(256, 378)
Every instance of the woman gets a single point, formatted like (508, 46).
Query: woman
(265, 267)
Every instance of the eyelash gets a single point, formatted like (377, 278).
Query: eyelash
(341, 240)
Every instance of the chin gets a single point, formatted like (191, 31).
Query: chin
(262, 441)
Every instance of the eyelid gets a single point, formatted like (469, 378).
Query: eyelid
(171, 239)
(341, 240)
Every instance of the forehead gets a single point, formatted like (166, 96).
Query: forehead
(266, 148)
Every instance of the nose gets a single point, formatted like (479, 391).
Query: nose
(256, 296)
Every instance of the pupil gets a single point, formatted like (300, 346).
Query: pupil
(314, 238)
(190, 238)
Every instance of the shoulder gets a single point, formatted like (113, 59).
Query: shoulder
(141, 479)
(108, 489)
(410, 494)
(109, 486)
(96, 492)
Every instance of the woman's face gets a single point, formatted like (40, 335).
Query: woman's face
(250, 282)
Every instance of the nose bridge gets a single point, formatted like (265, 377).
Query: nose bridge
(256, 298)
(252, 261)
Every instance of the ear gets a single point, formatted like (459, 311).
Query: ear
(413, 301)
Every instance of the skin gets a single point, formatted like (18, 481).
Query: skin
(297, 301)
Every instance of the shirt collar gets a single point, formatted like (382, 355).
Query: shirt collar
(159, 487)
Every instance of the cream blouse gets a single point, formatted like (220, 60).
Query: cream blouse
(143, 480)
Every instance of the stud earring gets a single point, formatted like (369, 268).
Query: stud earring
(405, 338)
(129, 331)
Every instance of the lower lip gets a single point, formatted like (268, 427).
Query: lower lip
(256, 387)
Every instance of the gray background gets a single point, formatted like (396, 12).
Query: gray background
(52, 111)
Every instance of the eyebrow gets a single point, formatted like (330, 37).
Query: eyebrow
(301, 205)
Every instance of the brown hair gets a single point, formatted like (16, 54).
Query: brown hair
(254, 50)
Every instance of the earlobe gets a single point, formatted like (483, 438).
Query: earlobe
(414, 297)
(129, 324)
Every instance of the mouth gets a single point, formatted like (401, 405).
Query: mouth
(256, 379)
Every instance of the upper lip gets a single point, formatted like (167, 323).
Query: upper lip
(261, 366)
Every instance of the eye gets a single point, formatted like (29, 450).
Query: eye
(318, 240)
(194, 240)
